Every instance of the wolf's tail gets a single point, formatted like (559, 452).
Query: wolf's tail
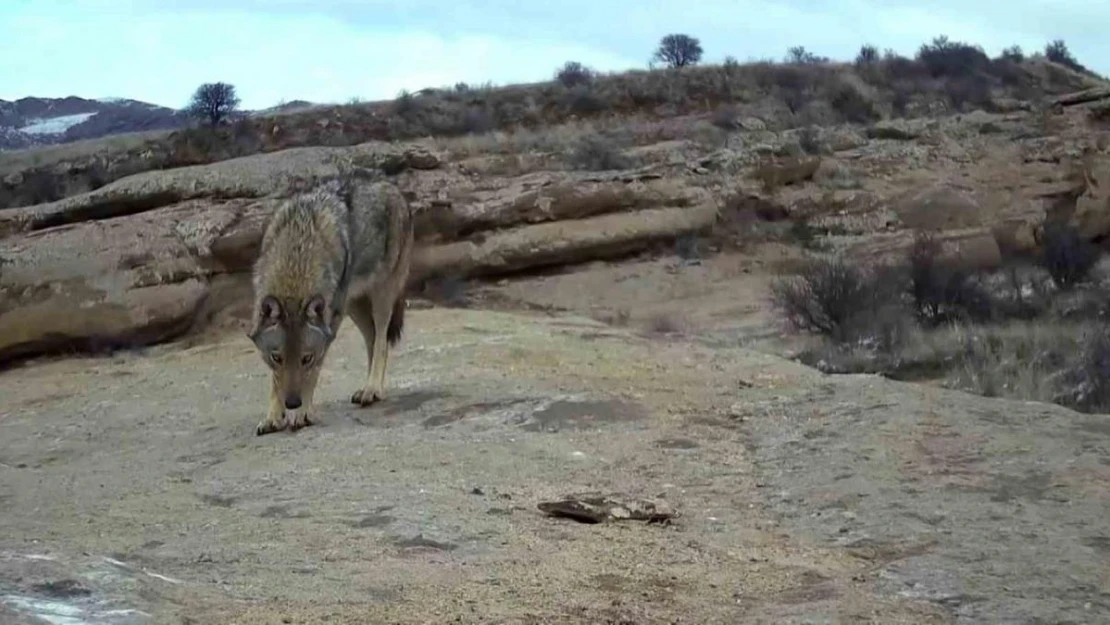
(396, 321)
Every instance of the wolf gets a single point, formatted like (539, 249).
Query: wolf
(342, 248)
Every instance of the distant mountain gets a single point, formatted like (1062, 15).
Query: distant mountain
(30, 122)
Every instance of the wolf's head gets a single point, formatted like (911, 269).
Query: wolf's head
(292, 338)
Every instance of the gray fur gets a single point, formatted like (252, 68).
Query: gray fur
(340, 249)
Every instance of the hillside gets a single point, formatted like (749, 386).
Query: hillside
(32, 122)
(782, 96)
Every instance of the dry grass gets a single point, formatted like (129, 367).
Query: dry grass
(1041, 360)
(1020, 332)
(19, 160)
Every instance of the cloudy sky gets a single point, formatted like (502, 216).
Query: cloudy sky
(334, 50)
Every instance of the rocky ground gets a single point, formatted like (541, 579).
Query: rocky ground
(136, 492)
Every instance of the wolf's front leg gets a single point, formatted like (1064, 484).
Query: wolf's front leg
(305, 414)
(275, 416)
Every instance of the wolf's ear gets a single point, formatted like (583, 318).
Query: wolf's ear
(316, 312)
(315, 309)
(269, 311)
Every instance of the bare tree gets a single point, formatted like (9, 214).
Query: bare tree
(679, 50)
(213, 102)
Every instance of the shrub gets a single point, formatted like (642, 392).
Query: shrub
(584, 100)
(1013, 54)
(724, 117)
(1067, 257)
(966, 90)
(1057, 52)
(952, 58)
(900, 98)
(868, 55)
(795, 86)
(809, 139)
(852, 105)
(1087, 381)
(832, 297)
(595, 153)
(940, 291)
(573, 74)
(678, 50)
(798, 55)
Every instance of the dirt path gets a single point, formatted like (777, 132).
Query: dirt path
(134, 491)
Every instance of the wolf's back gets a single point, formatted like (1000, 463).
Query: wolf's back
(381, 221)
(305, 245)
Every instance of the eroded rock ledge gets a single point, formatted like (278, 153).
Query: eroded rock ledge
(132, 263)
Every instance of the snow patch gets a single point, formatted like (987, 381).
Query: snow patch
(54, 125)
(61, 613)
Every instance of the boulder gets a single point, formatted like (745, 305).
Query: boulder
(898, 129)
(1092, 207)
(843, 139)
(541, 199)
(752, 124)
(1015, 237)
(937, 207)
(787, 172)
(117, 282)
(969, 248)
(260, 175)
(144, 278)
(561, 242)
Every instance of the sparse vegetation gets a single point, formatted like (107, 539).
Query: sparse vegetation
(1057, 51)
(808, 92)
(868, 55)
(1067, 257)
(1013, 54)
(1029, 332)
(573, 74)
(597, 153)
(798, 55)
(831, 297)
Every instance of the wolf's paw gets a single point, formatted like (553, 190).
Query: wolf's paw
(302, 419)
(270, 425)
(365, 397)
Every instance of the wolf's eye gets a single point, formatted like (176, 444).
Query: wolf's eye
(275, 357)
(307, 359)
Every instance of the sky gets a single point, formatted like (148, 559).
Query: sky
(159, 51)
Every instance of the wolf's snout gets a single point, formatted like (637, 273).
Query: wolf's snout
(292, 403)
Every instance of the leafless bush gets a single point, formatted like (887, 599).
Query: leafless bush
(941, 291)
(852, 105)
(833, 297)
(573, 74)
(1087, 380)
(1067, 257)
(597, 153)
(943, 57)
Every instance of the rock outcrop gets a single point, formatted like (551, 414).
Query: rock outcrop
(131, 263)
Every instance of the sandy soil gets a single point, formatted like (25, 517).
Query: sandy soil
(134, 490)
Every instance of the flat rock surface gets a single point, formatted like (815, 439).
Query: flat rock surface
(134, 489)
